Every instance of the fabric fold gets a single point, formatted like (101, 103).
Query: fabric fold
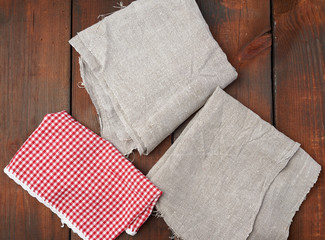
(284, 197)
(83, 179)
(225, 176)
(147, 68)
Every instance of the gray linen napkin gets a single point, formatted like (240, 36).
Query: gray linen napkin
(284, 198)
(227, 176)
(147, 68)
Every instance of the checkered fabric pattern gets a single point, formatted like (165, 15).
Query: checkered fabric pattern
(83, 178)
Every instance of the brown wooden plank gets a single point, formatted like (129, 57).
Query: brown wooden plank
(299, 64)
(242, 29)
(34, 80)
(85, 13)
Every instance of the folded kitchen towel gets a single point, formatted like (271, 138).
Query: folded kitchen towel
(83, 179)
(231, 175)
(147, 68)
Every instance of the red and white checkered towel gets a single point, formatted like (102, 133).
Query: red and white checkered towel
(83, 178)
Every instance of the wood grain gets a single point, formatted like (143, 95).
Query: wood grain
(299, 84)
(242, 29)
(85, 13)
(34, 80)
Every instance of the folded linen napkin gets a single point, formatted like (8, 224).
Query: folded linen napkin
(147, 68)
(227, 176)
(83, 179)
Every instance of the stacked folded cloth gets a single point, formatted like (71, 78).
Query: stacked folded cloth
(83, 179)
(231, 175)
(147, 68)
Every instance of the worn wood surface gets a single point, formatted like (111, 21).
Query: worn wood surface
(277, 47)
(34, 80)
(299, 85)
(243, 31)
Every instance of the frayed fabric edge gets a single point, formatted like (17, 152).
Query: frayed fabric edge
(63, 217)
(306, 191)
(82, 83)
(156, 213)
(119, 5)
(137, 142)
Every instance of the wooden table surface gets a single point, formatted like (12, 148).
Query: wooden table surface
(277, 47)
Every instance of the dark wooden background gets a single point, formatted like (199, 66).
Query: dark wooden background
(277, 46)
